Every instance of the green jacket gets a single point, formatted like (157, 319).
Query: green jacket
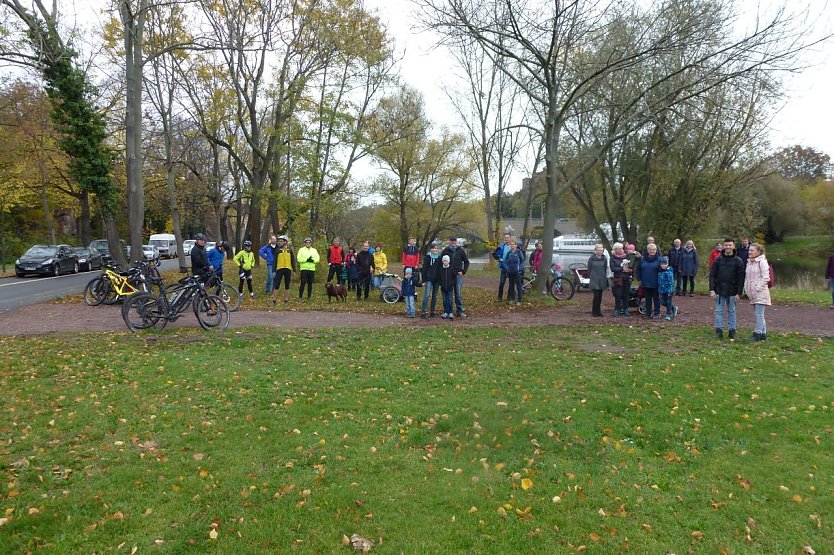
(304, 254)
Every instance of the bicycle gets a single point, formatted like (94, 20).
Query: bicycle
(225, 291)
(145, 310)
(112, 286)
(559, 287)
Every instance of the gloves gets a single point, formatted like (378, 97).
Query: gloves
(310, 259)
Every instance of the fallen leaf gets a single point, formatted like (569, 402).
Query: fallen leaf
(4, 520)
(198, 456)
(647, 527)
(34, 511)
(526, 483)
(594, 537)
(213, 533)
(808, 550)
(361, 544)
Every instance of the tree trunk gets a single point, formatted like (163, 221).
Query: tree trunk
(47, 213)
(85, 222)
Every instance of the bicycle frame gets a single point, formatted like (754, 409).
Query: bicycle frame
(121, 284)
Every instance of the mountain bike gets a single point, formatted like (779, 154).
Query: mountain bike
(559, 287)
(146, 310)
(225, 291)
(112, 286)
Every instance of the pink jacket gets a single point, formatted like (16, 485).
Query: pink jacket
(755, 280)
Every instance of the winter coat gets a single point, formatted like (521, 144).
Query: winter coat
(364, 263)
(726, 275)
(755, 280)
(743, 253)
(666, 281)
(446, 277)
(715, 253)
(408, 287)
(431, 266)
(829, 270)
(616, 265)
(245, 259)
(267, 252)
(536, 260)
(647, 271)
(380, 263)
(674, 257)
(411, 256)
(598, 272)
(514, 263)
(304, 256)
(199, 259)
(458, 257)
(688, 262)
(215, 258)
(500, 254)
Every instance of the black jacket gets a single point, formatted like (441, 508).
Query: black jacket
(431, 266)
(364, 263)
(459, 259)
(446, 277)
(199, 259)
(674, 255)
(726, 276)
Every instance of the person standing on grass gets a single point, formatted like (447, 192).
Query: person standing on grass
(335, 259)
(380, 265)
(215, 257)
(688, 267)
(726, 278)
(267, 252)
(364, 270)
(647, 274)
(536, 259)
(446, 277)
(411, 255)
(514, 267)
(199, 257)
(409, 291)
(674, 255)
(499, 254)
(829, 275)
(431, 268)
(245, 260)
(460, 264)
(622, 279)
(285, 267)
(666, 287)
(308, 258)
(757, 275)
(350, 270)
(598, 278)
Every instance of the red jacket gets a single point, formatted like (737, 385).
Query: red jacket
(714, 253)
(335, 255)
(411, 256)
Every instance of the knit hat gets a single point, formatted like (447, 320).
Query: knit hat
(664, 260)
(446, 259)
(408, 271)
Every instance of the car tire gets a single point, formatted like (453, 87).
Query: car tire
(76, 268)
(20, 274)
(56, 270)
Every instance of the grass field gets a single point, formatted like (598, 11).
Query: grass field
(543, 440)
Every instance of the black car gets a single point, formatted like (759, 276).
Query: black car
(102, 246)
(47, 259)
(88, 258)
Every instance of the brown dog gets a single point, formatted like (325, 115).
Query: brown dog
(336, 290)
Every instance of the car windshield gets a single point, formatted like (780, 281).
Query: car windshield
(99, 245)
(188, 243)
(81, 251)
(147, 248)
(41, 250)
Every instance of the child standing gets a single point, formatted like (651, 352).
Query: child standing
(245, 259)
(666, 287)
(409, 291)
(446, 277)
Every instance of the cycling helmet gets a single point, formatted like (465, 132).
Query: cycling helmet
(308, 240)
(200, 237)
(284, 238)
(247, 244)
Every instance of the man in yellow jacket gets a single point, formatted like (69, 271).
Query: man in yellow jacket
(307, 257)
(245, 260)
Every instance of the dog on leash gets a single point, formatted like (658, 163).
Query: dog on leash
(336, 290)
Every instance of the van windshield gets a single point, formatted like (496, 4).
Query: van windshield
(160, 242)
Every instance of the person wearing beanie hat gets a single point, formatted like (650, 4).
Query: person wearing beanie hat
(446, 277)
(666, 287)
(408, 287)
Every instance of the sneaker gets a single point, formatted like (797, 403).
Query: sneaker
(240, 295)
(626, 313)
(692, 294)
(462, 314)
(667, 317)
(732, 334)
(674, 311)
(517, 304)
(443, 315)
(251, 295)
(616, 314)
(451, 317)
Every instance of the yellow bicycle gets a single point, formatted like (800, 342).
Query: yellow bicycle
(112, 286)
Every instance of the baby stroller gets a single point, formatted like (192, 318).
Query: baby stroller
(635, 298)
(582, 277)
(390, 288)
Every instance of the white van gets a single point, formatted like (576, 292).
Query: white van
(166, 243)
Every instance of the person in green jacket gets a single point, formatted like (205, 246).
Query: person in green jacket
(307, 257)
(245, 260)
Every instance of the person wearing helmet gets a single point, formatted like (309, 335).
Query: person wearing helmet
(308, 257)
(285, 266)
(215, 258)
(199, 258)
(245, 260)
(268, 253)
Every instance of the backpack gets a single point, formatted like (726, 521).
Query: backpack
(771, 275)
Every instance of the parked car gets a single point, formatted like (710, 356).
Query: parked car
(187, 245)
(150, 252)
(103, 247)
(48, 260)
(210, 245)
(88, 258)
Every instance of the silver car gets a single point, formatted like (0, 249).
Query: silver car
(187, 246)
(150, 252)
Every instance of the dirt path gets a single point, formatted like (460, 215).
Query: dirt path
(61, 318)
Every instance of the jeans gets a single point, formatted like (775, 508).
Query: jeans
(501, 283)
(621, 294)
(447, 301)
(377, 282)
(730, 301)
(515, 292)
(270, 269)
(666, 300)
(459, 293)
(410, 302)
(650, 294)
(435, 289)
(831, 283)
(691, 284)
(759, 312)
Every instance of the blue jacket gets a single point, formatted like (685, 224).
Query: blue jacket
(513, 262)
(666, 281)
(688, 263)
(267, 254)
(500, 254)
(647, 271)
(408, 287)
(215, 258)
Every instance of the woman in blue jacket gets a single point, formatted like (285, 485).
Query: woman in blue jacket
(688, 267)
(647, 272)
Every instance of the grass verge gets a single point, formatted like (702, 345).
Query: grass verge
(557, 440)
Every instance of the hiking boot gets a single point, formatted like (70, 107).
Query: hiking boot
(732, 334)
(719, 333)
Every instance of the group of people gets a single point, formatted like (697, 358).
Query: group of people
(733, 272)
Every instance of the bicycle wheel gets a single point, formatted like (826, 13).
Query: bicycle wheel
(229, 294)
(211, 312)
(95, 291)
(143, 310)
(526, 284)
(641, 308)
(562, 289)
(390, 295)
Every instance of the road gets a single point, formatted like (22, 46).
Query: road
(19, 292)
